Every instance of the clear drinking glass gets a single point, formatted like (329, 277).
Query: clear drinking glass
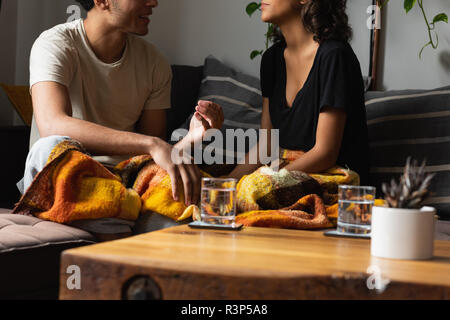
(355, 209)
(218, 200)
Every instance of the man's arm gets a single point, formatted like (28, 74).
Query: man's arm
(52, 111)
(53, 114)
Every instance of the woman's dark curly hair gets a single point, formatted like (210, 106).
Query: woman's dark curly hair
(86, 4)
(326, 19)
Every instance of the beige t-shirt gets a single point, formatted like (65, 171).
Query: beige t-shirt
(113, 95)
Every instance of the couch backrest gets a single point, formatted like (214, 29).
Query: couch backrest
(412, 123)
(185, 88)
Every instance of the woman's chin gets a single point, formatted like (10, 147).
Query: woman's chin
(266, 18)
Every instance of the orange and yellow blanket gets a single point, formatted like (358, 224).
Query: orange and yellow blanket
(73, 186)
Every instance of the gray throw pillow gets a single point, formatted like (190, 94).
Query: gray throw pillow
(412, 123)
(238, 94)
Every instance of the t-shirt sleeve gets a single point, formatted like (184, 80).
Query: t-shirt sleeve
(338, 74)
(51, 59)
(267, 72)
(161, 85)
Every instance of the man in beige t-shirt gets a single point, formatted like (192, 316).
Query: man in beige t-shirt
(114, 95)
(97, 82)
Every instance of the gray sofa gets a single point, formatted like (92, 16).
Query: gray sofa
(30, 248)
(29, 255)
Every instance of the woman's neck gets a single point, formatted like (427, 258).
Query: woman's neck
(296, 36)
(107, 42)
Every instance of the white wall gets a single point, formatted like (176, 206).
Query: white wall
(404, 36)
(8, 27)
(34, 17)
(8, 32)
(188, 30)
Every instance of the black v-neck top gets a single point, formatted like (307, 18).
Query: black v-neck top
(335, 80)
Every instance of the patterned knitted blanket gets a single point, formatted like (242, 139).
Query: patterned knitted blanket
(73, 186)
(290, 199)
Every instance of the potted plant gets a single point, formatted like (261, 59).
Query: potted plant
(404, 229)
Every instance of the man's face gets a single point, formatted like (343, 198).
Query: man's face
(132, 16)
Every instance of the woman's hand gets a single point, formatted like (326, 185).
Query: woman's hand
(190, 175)
(208, 115)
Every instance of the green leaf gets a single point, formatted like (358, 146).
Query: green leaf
(270, 30)
(255, 53)
(409, 4)
(440, 17)
(252, 7)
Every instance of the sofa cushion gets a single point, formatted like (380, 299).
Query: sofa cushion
(19, 232)
(30, 250)
(185, 86)
(239, 95)
(412, 123)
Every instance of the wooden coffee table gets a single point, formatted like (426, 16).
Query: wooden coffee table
(254, 263)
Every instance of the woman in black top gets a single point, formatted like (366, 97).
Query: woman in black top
(312, 87)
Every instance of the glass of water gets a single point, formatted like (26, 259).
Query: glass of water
(218, 200)
(355, 209)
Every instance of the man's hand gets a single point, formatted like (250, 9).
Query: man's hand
(208, 115)
(189, 173)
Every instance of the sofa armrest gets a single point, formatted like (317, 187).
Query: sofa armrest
(15, 140)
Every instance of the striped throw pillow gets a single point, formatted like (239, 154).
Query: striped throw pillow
(411, 123)
(239, 95)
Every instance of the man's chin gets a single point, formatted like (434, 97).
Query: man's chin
(141, 33)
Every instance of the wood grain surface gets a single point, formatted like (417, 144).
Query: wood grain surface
(254, 263)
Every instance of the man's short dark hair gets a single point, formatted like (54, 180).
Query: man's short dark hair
(86, 4)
